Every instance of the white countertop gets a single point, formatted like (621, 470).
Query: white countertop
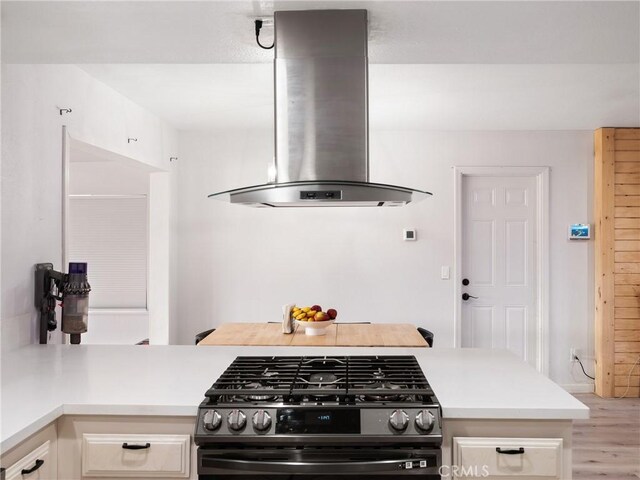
(42, 382)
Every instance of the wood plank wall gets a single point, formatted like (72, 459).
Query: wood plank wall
(617, 263)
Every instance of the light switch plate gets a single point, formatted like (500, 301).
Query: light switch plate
(445, 272)
(409, 235)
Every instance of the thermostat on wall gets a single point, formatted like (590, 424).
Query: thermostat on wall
(409, 235)
(580, 231)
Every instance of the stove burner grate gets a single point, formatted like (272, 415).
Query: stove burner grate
(348, 379)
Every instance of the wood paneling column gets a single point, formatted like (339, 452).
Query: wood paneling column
(617, 263)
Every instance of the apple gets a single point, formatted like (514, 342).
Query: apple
(332, 313)
(321, 317)
(317, 308)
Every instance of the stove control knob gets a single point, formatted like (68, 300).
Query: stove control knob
(261, 421)
(425, 421)
(399, 420)
(237, 420)
(211, 420)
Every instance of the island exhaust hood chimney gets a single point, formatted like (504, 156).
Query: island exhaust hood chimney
(321, 112)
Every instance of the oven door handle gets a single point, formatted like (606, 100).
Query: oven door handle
(310, 467)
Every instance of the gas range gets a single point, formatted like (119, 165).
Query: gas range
(367, 396)
(318, 396)
(307, 407)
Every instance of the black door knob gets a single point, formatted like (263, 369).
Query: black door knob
(465, 281)
(466, 296)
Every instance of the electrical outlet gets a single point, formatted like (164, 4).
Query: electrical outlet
(573, 352)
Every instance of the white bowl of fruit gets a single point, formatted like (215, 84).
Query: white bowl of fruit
(313, 319)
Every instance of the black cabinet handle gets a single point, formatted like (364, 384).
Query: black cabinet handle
(519, 451)
(135, 447)
(27, 471)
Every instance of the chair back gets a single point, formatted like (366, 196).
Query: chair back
(427, 335)
(202, 335)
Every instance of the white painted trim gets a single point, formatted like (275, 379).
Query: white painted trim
(542, 186)
(544, 277)
(66, 153)
(578, 387)
(118, 311)
(99, 196)
(458, 172)
(158, 266)
(66, 147)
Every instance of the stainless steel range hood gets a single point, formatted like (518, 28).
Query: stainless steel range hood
(322, 131)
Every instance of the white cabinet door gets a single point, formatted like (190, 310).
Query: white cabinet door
(91, 446)
(135, 455)
(36, 465)
(507, 458)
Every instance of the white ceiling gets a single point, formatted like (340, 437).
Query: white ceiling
(445, 65)
(400, 32)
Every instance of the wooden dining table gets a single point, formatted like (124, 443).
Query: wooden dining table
(338, 335)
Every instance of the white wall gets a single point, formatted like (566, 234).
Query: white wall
(31, 169)
(241, 264)
(238, 264)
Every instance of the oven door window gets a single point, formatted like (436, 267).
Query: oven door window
(317, 463)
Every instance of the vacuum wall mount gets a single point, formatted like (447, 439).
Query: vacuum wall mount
(72, 290)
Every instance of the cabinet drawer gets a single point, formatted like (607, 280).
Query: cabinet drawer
(107, 455)
(522, 458)
(37, 461)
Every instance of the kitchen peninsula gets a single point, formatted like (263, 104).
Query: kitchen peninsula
(74, 392)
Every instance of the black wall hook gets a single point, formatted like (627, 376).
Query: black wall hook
(64, 110)
(129, 140)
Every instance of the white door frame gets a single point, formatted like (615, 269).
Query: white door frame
(541, 175)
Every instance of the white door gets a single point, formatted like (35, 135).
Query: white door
(499, 263)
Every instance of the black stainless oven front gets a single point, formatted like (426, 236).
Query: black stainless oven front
(310, 462)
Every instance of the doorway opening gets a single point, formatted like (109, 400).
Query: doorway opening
(106, 223)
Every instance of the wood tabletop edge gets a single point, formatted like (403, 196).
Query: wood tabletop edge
(350, 335)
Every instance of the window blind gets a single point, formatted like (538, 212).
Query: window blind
(110, 234)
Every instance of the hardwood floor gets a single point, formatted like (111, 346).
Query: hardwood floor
(607, 446)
